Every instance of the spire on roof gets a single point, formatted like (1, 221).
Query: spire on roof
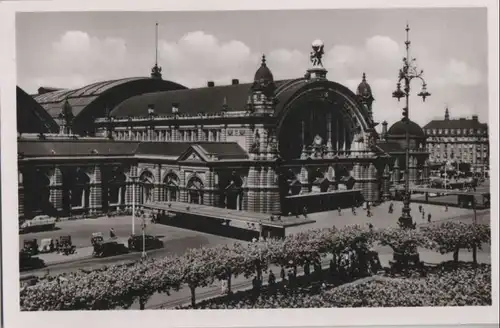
(156, 70)
(446, 114)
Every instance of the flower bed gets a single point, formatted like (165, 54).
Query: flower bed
(446, 286)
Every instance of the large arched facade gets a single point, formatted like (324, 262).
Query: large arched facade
(318, 113)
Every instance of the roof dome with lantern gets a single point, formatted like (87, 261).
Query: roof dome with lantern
(263, 79)
(364, 90)
(399, 129)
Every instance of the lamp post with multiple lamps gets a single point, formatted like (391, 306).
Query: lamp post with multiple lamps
(408, 73)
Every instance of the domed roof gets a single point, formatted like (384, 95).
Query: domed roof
(399, 129)
(364, 90)
(263, 74)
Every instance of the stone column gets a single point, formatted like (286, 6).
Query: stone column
(183, 192)
(396, 172)
(274, 205)
(386, 183)
(263, 143)
(373, 184)
(263, 190)
(251, 195)
(158, 189)
(329, 135)
(95, 199)
(356, 174)
(210, 189)
(56, 192)
(223, 134)
(304, 180)
(20, 194)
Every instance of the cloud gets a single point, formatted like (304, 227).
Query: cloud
(80, 53)
(461, 73)
(198, 57)
(78, 58)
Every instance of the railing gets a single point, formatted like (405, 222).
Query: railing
(228, 114)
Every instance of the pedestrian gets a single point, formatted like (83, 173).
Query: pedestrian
(51, 245)
(112, 233)
(391, 208)
(429, 218)
(423, 215)
(254, 240)
(420, 208)
(353, 210)
(57, 245)
(223, 287)
(271, 279)
(446, 208)
(305, 211)
(290, 278)
(282, 274)
(370, 226)
(368, 212)
(340, 210)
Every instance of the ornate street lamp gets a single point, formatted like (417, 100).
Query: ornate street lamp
(406, 75)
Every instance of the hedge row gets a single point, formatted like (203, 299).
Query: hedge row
(120, 286)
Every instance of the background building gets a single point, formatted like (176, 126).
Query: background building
(459, 141)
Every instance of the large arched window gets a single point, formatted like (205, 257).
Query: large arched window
(116, 187)
(195, 191)
(79, 189)
(171, 183)
(146, 182)
(234, 193)
(37, 192)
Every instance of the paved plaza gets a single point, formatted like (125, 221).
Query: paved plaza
(178, 240)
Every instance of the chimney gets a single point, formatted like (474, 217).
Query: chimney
(475, 118)
(175, 108)
(235, 82)
(210, 84)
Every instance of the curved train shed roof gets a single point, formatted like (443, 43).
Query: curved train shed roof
(31, 117)
(105, 93)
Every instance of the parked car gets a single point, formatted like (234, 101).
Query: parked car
(135, 242)
(47, 245)
(38, 223)
(29, 262)
(66, 245)
(30, 247)
(109, 248)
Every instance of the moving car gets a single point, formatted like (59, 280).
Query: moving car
(135, 243)
(109, 248)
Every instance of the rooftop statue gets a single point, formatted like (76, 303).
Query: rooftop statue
(317, 53)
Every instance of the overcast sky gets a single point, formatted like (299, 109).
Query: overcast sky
(74, 49)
